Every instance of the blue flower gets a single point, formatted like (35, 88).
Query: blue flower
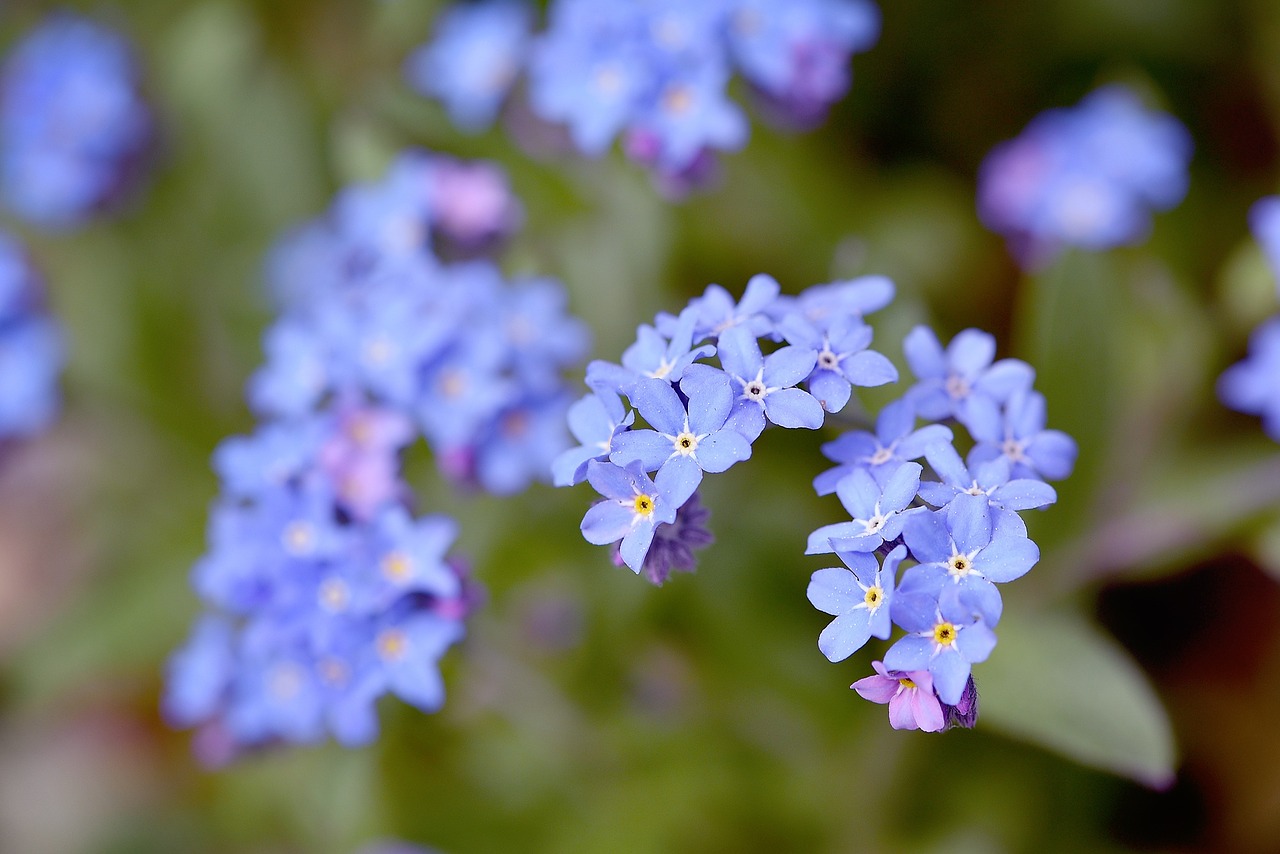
(1250, 386)
(765, 386)
(634, 505)
(946, 636)
(717, 311)
(859, 598)
(655, 354)
(946, 381)
(842, 359)
(1086, 176)
(74, 128)
(991, 481)
(797, 53)
(881, 453)
(595, 421)
(31, 347)
(473, 59)
(878, 512)
(697, 434)
(673, 545)
(1017, 433)
(965, 546)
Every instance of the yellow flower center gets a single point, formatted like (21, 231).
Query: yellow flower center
(643, 505)
(906, 683)
(874, 598)
(944, 634)
(686, 443)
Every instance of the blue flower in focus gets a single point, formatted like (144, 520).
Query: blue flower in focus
(946, 636)
(859, 598)
(476, 53)
(696, 435)
(635, 506)
(1017, 433)
(74, 128)
(895, 442)
(765, 386)
(673, 545)
(1087, 176)
(990, 480)
(878, 512)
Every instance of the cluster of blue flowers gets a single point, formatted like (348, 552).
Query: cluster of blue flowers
(655, 424)
(702, 418)
(75, 130)
(30, 346)
(329, 592)
(656, 73)
(960, 527)
(1087, 176)
(1251, 385)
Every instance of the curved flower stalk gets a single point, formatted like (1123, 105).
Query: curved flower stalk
(671, 411)
(75, 130)
(1086, 176)
(927, 545)
(327, 591)
(654, 74)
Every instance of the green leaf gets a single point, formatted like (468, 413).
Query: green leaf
(1058, 682)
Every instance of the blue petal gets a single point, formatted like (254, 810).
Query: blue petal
(901, 488)
(969, 520)
(791, 407)
(909, 653)
(924, 353)
(845, 635)
(831, 390)
(948, 465)
(1024, 494)
(869, 368)
(1053, 453)
(950, 674)
(982, 418)
(975, 643)
(913, 446)
(676, 481)
(971, 351)
(607, 522)
(658, 402)
(895, 421)
(722, 449)
(927, 537)
(613, 481)
(740, 353)
(635, 546)
(649, 448)
(834, 590)
(1006, 377)
(787, 366)
(859, 493)
(1007, 558)
(710, 397)
(820, 540)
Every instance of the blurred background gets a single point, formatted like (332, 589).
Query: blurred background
(1128, 705)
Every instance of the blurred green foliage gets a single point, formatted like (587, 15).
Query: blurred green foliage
(588, 711)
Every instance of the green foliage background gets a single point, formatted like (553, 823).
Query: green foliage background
(588, 711)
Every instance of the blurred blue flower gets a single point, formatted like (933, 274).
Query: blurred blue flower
(471, 63)
(31, 346)
(1250, 386)
(895, 442)
(1086, 176)
(74, 127)
(947, 382)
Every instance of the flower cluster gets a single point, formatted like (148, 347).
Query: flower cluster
(1087, 176)
(699, 417)
(74, 128)
(30, 346)
(1250, 386)
(328, 592)
(656, 73)
(960, 526)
